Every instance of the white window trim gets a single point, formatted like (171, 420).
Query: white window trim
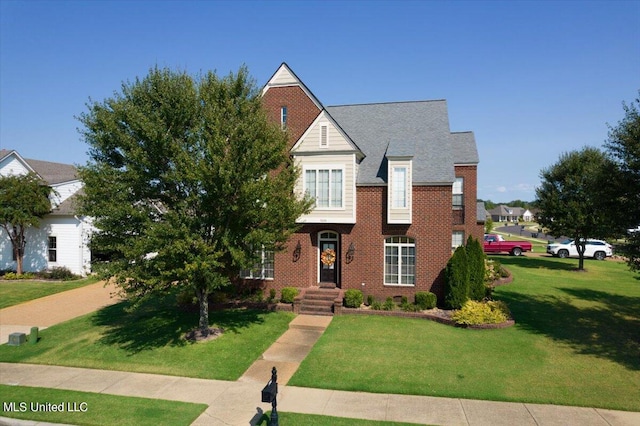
(284, 115)
(331, 168)
(49, 249)
(407, 211)
(261, 276)
(400, 245)
(462, 240)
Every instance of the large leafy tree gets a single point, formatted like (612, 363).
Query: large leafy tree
(623, 145)
(571, 197)
(187, 182)
(24, 200)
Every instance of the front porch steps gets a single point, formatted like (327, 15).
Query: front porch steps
(319, 301)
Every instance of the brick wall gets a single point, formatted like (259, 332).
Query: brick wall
(431, 229)
(470, 226)
(301, 111)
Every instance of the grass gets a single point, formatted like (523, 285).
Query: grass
(15, 292)
(96, 409)
(150, 340)
(576, 342)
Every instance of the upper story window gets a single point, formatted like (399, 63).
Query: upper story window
(399, 187)
(325, 186)
(458, 192)
(283, 117)
(324, 136)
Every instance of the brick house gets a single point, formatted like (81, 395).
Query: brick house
(395, 191)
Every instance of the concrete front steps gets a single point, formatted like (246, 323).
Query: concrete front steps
(319, 301)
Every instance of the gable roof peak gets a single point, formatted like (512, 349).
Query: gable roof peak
(285, 77)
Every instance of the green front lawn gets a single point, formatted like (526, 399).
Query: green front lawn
(15, 292)
(150, 340)
(576, 342)
(94, 408)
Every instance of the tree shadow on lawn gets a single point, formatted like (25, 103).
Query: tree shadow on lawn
(160, 322)
(538, 262)
(610, 330)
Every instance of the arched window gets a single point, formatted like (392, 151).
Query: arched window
(399, 261)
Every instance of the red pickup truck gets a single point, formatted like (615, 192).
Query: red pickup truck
(494, 243)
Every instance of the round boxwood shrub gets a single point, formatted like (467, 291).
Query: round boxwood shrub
(288, 294)
(426, 300)
(353, 298)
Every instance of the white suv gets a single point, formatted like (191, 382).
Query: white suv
(593, 248)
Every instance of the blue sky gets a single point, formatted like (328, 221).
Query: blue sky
(532, 80)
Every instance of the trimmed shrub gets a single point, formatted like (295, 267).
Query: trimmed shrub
(60, 273)
(475, 259)
(370, 299)
(456, 279)
(426, 300)
(272, 295)
(15, 276)
(476, 313)
(353, 298)
(376, 305)
(288, 294)
(389, 304)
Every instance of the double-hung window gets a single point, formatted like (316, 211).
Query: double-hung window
(324, 186)
(399, 261)
(458, 192)
(263, 269)
(53, 249)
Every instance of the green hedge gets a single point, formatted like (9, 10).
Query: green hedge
(288, 294)
(353, 298)
(426, 300)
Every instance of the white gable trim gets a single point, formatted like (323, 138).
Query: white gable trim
(285, 77)
(324, 115)
(21, 160)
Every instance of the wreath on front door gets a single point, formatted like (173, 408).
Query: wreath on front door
(328, 257)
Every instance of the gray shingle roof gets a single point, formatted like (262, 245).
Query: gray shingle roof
(464, 148)
(422, 127)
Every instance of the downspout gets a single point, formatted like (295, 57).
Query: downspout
(81, 245)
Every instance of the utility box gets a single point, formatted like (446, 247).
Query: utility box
(17, 339)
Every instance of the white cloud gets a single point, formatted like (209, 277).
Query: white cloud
(501, 189)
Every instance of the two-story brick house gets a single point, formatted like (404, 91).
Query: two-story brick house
(394, 191)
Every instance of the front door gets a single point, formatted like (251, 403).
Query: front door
(329, 257)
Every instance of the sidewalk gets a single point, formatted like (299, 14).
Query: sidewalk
(238, 403)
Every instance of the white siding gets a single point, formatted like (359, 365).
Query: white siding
(64, 191)
(310, 141)
(10, 166)
(345, 162)
(283, 77)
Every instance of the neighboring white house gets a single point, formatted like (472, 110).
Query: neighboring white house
(63, 236)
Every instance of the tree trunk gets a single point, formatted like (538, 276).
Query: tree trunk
(203, 301)
(19, 261)
(581, 250)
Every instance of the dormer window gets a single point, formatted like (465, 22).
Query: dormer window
(283, 117)
(399, 205)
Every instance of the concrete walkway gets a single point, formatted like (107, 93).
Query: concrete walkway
(238, 403)
(56, 308)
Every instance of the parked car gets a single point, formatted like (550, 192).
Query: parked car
(494, 243)
(593, 248)
(635, 230)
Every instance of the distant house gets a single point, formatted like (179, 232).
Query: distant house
(504, 213)
(62, 238)
(394, 190)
